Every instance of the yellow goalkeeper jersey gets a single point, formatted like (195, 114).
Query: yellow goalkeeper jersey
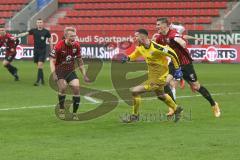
(155, 57)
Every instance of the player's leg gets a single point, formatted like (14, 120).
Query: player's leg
(190, 76)
(62, 86)
(40, 76)
(136, 93)
(169, 88)
(7, 64)
(39, 59)
(169, 102)
(73, 81)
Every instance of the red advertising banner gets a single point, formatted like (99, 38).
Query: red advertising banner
(215, 54)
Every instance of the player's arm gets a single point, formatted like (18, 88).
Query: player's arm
(52, 60)
(179, 28)
(49, 36)
(82, 69)
(154, 37)
(172, 54)
(22, 34)
(50, 43)
(132, 57)
(180, 41)
(81, 65)
(191, 37)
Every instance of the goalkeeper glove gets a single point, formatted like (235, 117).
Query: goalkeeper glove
(125, 59)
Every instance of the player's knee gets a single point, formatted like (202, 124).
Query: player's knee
(196, 86)
(5, 64)
(134, 92)
(40, 65)
(63, 89)
(76, 90)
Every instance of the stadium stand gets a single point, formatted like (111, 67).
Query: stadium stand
(129, 15)
(9, 8)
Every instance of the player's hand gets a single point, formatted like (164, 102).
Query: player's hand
(178, 74)
(125, 59)
(86, 79)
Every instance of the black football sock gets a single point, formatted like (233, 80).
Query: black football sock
(76, 101)
(11, 69)
(61, 99)
(41, 75)
(204, 92)
(168, 90)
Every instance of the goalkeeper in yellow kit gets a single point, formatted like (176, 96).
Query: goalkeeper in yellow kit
(155, 57)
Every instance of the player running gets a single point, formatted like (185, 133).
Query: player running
(10, 42)
(155, 57)
(62, 64)
(173, 39)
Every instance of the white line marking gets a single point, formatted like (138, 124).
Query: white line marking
(120, 101)
(91, 99)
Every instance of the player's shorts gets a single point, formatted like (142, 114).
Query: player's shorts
(171, 68)
(68, 76)
(154, 85)
(9, 57)
(39, 55)
(189, 73)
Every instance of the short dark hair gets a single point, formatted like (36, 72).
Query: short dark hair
(163, 20)
(142, 31)
(39, 19)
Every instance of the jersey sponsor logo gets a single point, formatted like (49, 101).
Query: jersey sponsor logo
(213, 54)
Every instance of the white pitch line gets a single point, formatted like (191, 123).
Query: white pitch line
(120, 101)
(30, 107)
(91, 99)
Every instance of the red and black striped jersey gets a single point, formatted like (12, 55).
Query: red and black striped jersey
(168, 39)
(8, 41)
(65, 55)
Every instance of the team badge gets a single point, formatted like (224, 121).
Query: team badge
(42, 38)
(74, 50)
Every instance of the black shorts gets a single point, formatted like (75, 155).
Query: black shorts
(171, 68)
(189, 73)
(68, 77)
(9, 58)
(39, 55)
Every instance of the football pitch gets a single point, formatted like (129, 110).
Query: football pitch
(29, 129)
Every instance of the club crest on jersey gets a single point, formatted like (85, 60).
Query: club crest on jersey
(74, 50)
(42, 38)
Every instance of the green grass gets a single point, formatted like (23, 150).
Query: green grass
(36, 134)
